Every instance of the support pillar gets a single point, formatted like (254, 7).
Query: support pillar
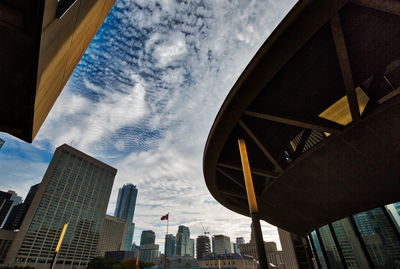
(251, 197)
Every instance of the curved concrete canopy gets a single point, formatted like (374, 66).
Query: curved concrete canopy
(317, 107)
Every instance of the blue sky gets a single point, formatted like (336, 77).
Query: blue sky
(143, 99)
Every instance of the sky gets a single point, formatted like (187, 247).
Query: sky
(143, 99)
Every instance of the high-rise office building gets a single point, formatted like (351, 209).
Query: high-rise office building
(75, 190)
(222, 244)
(149, 253)
(17, 214)
(147, 237)
(169, 245)
(16, 200)
(191, 247)
(125, 209)
(183, 244)
(239, 241)
(148, 250)
(112, 235)
(203, 246)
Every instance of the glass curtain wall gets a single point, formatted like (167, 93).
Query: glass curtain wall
(368, 239)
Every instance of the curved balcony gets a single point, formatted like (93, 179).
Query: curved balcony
(319, 111)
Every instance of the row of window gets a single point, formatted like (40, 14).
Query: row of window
(368, 239)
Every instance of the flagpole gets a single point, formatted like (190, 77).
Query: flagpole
(165, 248)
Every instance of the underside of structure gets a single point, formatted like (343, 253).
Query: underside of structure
(318, 107)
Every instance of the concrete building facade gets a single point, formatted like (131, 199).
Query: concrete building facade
(227, 261)
(42, 42)
(203, 246)
(75, 190)
(112, 236)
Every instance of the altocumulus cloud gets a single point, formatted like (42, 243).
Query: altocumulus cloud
(144, 97)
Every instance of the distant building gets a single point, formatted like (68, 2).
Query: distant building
(239, 241)
(125, 209)
(179, 262)
(149, 253)
(274, 256)
(183, 244)
(203, 246)
(147, 237)
(6, 238)
(135, 249)
(75, 189)
(5, 205)
(169, 248)
(112, 236)
(16, 200)
(191, 247)
(119, 255)
(17, 214)
(222, 244)
(227, 261)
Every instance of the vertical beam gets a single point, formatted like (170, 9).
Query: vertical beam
(251, 197)
(260, 146)
(314, 250)
(344, 63)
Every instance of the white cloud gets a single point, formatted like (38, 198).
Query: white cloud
(146, 99)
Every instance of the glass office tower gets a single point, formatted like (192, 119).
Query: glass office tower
(75, 190)
(126, 209)
(369, 239)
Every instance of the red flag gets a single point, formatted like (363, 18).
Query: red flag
(165, 217)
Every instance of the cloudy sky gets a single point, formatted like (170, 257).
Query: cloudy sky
(143, 99)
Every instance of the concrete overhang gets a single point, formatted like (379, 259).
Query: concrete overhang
(319, 110)
(41, 43)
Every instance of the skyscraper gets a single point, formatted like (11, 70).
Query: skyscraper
(222, 244)
(239, 241)
(148, 250)
(191, 247)
(183, 245)
(17, 214)
(75, 189)
(169, 245)
(126, 209)
(202, 246)
(147, 237)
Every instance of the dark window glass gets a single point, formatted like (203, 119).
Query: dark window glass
(379, 237)
(349, 244)
(318, 250)
(394, 212)
(332, 253)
